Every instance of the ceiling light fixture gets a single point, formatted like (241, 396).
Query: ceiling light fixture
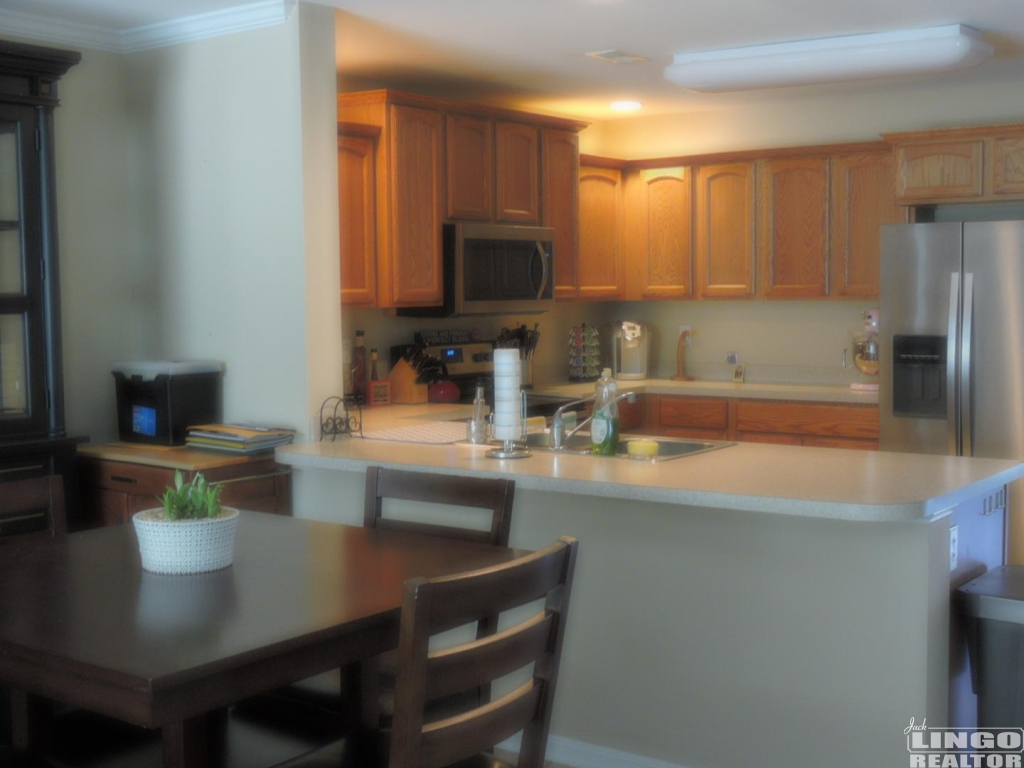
(830, 59)
(625, 106)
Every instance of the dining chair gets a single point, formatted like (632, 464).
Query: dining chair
(34, 505)
(432, 606)
(326, 698)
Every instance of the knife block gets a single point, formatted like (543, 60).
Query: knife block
(404, 389)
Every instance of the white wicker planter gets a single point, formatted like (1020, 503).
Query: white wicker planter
(186, 546)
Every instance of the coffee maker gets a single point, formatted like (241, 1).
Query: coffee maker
(630, 344)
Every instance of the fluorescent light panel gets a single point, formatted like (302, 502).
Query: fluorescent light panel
(830, 59)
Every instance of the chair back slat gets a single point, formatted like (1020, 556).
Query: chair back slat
(496, 495)
(433, 605)
(473, 664)
(448, 741)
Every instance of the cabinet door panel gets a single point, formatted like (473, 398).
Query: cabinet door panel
(518, 160)
(357, 221)
(693, 433)
(1008, 166)
(941, 170)
(668, 262)
(600, 269)
(469, 163)
(793, 227)
(704, 413)
(725, 230)
(415, 181)
(561, 170)
(825, 420)
(769, 437)
(863, 198)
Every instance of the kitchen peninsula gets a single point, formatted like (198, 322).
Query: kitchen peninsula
(797, 596)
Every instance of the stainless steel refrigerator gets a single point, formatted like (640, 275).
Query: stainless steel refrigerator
(951, 338)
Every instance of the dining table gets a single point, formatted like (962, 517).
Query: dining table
(82, 623)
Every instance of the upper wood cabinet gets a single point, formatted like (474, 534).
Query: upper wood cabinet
(966, 164)
(659, 233)
(560, 169)
(600, 253)
(725, 231)
(469, 167)
(863, 198)
(518, 173)
(793, 224)
(357, 220)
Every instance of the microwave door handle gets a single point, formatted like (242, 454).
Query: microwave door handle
(952, 412)
(545, 262)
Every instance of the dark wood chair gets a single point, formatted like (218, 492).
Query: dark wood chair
(328, 699)
(35, 505)
(432, 606)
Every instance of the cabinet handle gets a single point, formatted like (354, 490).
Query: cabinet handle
(266, 476)
(123, 479)
(25, 468)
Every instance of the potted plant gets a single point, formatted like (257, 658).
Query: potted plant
(190, 533)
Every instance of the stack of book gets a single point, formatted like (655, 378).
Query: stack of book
(242, 439)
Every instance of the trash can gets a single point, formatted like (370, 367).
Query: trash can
(993, 608)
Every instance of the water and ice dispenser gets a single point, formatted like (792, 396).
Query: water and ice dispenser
(919, 376)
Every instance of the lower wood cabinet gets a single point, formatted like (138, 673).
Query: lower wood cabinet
(823, 425)
(112, 490)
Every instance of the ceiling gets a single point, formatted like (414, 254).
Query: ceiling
(530, 53)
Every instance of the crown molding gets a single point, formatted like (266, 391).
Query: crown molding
(265, 13)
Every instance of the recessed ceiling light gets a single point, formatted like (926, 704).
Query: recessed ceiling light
(616, 57)
(625, 106)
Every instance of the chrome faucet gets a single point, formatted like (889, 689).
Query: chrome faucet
(558, 433)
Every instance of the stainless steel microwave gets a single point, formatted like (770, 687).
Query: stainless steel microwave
(494, 269)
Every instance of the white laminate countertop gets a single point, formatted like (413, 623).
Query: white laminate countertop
(746, 390)
(781, 479)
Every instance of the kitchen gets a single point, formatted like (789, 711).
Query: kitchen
(178, 167)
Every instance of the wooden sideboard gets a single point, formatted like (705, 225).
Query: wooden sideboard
(119, 479)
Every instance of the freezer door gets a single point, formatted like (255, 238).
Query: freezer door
(918, 337)
(992, 395)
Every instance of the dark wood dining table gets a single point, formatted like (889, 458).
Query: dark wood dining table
(82, 623)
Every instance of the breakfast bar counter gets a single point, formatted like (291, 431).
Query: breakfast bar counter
(754, 605)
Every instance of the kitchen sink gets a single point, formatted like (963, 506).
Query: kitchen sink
(668, 448)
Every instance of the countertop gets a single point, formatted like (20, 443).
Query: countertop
(165, 456)
(745, 390)
(781, 479)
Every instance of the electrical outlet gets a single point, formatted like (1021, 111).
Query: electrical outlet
(954, 546)
(732, 357)
(686, 329)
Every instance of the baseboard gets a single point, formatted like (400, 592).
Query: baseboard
(579, 754)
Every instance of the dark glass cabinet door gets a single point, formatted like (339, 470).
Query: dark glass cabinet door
(22, 332)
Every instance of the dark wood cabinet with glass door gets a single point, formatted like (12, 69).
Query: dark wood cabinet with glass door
(32, 435)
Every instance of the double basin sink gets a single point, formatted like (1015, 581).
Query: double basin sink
(668, 448)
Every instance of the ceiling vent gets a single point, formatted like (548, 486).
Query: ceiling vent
(617, 57)
(832, 59)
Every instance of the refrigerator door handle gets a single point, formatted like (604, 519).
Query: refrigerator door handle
(965, 365)
(952, 428)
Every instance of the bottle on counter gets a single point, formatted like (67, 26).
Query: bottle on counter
(476, 429)
(359, 371)
(373, 366)
(604, 428)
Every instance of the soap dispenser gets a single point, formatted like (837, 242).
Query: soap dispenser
(604, 427)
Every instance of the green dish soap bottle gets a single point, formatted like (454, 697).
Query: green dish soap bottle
(604, 428)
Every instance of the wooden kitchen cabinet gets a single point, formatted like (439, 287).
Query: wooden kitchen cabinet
(601, 270)
(560, 171)
(826, 425)
(469, 167)
(939, 170)
(793, 227)
(659, 233)
(357, 219)
(1008, 166)
(863, 198)
(725, 231)
(119, 479)
(517, 153)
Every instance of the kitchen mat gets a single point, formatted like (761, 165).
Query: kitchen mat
(438, 433)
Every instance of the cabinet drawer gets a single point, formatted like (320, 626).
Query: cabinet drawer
(240, 491)
(135, 479)
(705, 413)
(807, 419)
